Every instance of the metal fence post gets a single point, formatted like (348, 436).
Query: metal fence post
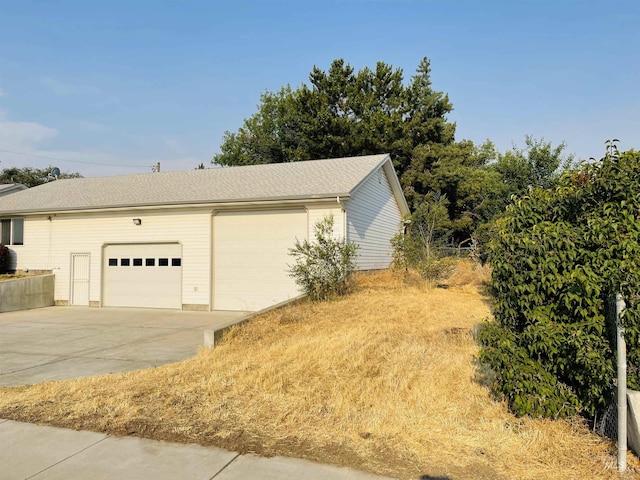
(622, 387)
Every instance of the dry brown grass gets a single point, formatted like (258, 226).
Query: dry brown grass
(384, 380)
(12, 276)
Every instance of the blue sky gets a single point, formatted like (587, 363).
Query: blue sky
(108, 88)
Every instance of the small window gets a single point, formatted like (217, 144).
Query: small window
(5, 226)
(113, 262)
(137, 262)
(163, 262)
(125, 262)
(12, 231)
(176, 262)
(18, 231)
(150, 262)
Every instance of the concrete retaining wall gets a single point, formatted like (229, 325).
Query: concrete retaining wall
(633, 420)
(26, 293)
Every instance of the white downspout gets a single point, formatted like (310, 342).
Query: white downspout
(344, 219)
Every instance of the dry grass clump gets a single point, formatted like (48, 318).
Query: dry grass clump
(384, 380)
(12, 276)
(473, 274)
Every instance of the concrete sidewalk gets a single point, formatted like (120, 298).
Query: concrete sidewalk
(35, 452)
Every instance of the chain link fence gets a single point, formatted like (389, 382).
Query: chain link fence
(607, 422)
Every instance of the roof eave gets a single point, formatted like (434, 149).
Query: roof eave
(175, 205)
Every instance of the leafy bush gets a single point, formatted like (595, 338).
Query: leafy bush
(529, 388)
(4, 258)
(324, 267)
(560, 254)
(437, 268)
(420, 247)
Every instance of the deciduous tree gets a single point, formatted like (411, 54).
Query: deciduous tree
(30, 176)
(342, 113)
(539, 164)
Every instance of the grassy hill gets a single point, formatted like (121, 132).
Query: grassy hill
(384, 380)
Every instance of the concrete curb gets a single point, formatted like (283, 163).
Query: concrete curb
(213, 336)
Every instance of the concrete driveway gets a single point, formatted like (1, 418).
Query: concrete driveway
(58, 343)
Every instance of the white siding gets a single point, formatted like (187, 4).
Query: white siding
(317, 213)
(48, 245)
(251, 257)
(373, 218)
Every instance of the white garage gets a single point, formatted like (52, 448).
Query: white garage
(142, 275)
(251, 256)
(212, 239)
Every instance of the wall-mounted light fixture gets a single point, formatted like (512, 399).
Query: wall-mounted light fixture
(137, 221)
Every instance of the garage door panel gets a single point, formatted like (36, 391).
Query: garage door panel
(251, 257)
(158, 287)
(143, 275)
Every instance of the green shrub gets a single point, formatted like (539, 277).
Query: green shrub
(420, 247)
(4, 258)
(558, 257)
(437, 268)
(528, 387)
(325, 266)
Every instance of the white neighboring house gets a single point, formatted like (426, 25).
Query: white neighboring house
(215, 239)
(5, 224)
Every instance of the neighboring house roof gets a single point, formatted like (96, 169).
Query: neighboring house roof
(11, 188)
(315, 179)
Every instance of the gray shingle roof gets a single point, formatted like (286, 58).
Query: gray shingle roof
(281, 181)
(8, 188)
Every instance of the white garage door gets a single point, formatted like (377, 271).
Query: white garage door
(251, 257)
(143, 275)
